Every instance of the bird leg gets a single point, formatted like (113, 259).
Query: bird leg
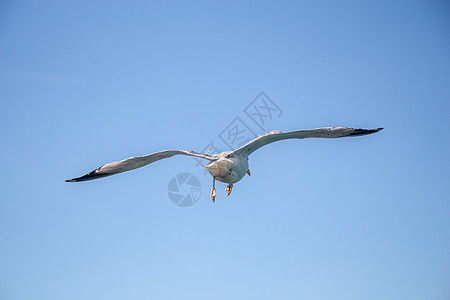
(213, 190)
(230, 186)
(248, 172)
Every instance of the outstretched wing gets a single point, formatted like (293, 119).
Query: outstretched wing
(276, 135)
(134, 163)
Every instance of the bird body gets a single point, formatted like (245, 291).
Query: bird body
(230, 166)
(221, 167)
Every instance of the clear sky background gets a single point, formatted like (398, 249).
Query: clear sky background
(83, 83)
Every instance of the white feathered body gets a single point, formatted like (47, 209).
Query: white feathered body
(221, 167)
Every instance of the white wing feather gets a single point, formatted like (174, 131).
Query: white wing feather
(136, 162)
(276, 135)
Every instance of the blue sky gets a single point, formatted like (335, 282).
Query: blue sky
(83, 83)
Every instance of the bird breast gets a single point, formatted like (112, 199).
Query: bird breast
(221, 168)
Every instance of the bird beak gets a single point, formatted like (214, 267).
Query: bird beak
(248, 172)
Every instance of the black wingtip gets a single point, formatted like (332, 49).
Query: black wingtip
(76, 179)
(93, 175)
(82, 178)
(360, 131)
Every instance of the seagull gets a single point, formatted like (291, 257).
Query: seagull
(230, 166)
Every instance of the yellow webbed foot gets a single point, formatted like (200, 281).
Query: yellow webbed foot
(228, 189)
(213, 194)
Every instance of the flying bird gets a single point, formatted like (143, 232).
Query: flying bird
(230, 166)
